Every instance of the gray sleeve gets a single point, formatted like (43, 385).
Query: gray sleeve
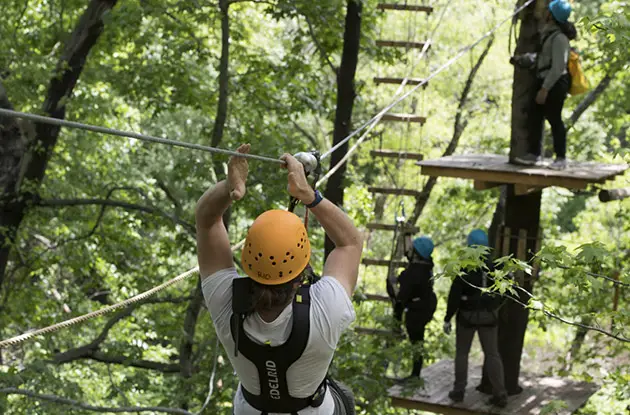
(559, 60)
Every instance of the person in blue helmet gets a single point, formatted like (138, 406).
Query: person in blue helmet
(554, 80)
(416, 298)
(476, 312)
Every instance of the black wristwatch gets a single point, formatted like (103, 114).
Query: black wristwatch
(318, 199)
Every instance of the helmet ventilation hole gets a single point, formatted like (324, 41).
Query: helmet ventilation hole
(273, 263)
(284, 261)
(290, 272)
(271, 258)
(280, 274)
(260, 254)
(288, 253)
(292, 257)
(250, 266)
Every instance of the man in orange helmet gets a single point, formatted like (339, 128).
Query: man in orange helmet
(280, 334)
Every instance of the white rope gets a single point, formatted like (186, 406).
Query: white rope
(137, 136)
(106, 310)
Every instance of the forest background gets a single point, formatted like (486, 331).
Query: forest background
(100, 218)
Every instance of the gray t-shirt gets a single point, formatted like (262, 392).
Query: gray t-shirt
(331, 313)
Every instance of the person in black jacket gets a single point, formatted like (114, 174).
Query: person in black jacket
(416, 298)
(476, 312)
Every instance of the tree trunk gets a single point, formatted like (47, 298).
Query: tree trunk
(522, 213)
(345, 101)
(194, 308)
(22, 168)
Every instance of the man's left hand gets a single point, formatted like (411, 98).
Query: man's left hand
(541, 96)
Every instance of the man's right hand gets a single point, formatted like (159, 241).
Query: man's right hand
(298, 186)
(447, 327)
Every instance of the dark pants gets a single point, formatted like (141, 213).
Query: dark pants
(551, 110)
(488, 337)
(415, 323)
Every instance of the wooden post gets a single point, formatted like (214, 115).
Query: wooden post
(345, 102)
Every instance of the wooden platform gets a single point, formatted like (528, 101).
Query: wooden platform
(538, 392)
(403, 155)
(401, 44)
(404, 118)
(379, 332)
(490, 170)
(387, 227)
(405, 7)
(397, 192)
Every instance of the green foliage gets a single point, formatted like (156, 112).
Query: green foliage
(155, 70)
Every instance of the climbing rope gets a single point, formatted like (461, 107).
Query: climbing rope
(137, 136)
(369, 124)
(106, 310)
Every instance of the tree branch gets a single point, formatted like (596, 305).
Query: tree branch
(139, 363)
(590, 99)
(319, 46)
(458, 130)
(70, 402)
(116, 203)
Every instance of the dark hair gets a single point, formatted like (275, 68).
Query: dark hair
(569, 30)
(269, 297)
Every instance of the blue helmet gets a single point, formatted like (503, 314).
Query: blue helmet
(477, 237)
(423, 246)
(560, 10)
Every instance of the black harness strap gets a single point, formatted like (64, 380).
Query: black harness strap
(273, 363)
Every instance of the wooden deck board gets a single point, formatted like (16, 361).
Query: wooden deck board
(538, 392)
(405, 7)
(495, 168)
(397, 154)
(389, 227)
(383, 262)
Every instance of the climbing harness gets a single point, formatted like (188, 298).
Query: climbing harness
(312, 164)
(273, 362)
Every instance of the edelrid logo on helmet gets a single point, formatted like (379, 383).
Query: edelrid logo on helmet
(264, 275)
(272, 376)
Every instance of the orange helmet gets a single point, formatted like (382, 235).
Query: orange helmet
(276, 249)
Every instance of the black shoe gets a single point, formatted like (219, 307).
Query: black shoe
(515, 391)
(500, 401)
(484, 389)
(456, 396)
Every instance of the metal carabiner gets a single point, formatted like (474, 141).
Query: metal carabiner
(312, 164)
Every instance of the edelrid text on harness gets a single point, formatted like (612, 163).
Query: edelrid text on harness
(272, 363)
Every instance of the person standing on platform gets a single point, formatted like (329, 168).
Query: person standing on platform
(554, 82)
(416, 298)
(476, 312)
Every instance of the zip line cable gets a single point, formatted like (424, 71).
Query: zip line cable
(137, 136)
(370, 124)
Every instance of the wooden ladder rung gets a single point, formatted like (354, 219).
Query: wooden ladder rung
(388, 227)
(383, 262)
(398, 81)
(398, 192)
(404, 118)
(401, 44)
(396, 154)
(378, 332)
(378, 297)
(405, 7)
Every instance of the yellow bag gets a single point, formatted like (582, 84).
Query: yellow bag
(579, 83)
